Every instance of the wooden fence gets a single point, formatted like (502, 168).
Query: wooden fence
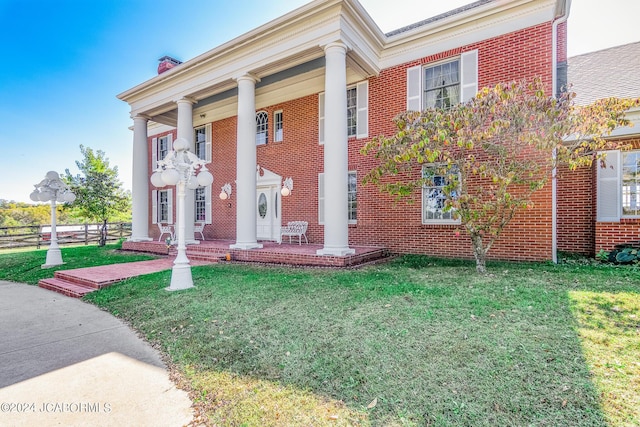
(40, 235)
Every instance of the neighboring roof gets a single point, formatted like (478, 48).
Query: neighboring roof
(613, 72)
(438, 17)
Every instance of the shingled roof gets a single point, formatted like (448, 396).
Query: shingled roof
(606, 73)
(438, 17)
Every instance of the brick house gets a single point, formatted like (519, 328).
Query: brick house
(300, 96)
(599, 208)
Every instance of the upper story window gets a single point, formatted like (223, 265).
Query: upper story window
(278, 127)
(434, 197)
(202, 142)
(163, 147)
(357, 112)
(443, 84)
(262, 128)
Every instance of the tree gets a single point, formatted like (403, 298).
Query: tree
(99, 193)
(491, 154)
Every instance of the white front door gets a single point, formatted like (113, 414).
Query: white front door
(268, 223)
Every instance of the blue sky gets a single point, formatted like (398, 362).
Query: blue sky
(63, 63)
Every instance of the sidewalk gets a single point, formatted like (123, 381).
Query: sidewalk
(66, 362)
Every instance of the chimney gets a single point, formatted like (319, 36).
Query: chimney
(167, 63)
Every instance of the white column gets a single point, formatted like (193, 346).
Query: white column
(336, 155)
(246, 159)
(140, 182)
(185, 130)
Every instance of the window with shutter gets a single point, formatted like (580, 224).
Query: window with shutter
(608, 190)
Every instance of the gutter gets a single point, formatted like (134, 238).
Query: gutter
(554, 82)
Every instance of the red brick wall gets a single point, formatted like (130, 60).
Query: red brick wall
(576, 210)
(381, 220)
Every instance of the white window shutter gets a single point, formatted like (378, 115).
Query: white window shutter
(170, 207)
(321, 198)
(609, 204)
(154, 154)
(170, 141)
(207, 205)
(321, 117)
(414, 88)
(154, 206)
(469, 75)
(207, 149)
(363, 109)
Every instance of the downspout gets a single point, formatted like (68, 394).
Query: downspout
(554, 83)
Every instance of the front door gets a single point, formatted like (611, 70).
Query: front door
(267, 218)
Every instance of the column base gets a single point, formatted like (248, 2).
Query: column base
(54, 258)
(246, 246)
(341, 251)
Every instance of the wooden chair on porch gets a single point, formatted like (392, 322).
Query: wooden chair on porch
(165, 229)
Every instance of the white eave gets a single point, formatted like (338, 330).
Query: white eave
(299, 37)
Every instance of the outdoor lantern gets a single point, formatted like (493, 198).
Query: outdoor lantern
(225, 192)
(287, 187)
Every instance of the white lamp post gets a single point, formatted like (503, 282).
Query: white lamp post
(181, 168)
(51, 188)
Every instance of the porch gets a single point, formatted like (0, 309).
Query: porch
(270, 253)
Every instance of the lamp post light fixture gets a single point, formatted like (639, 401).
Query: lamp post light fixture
(181, 168)
(52, 189)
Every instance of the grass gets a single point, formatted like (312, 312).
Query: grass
(410, 343)
(414, 342)
(25, 266)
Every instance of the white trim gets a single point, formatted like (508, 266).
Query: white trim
(321, 198)
(278, 137)
(321, 118)
(154, 206)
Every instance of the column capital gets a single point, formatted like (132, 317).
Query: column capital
(247, 76)
(335, 46)
(140, 117)
(185, 99)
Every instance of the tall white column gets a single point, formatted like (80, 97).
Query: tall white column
(246, 159)
(336, 155)
(185, 130)
(140, 182)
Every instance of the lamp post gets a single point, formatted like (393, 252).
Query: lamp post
(181, 168)
(52, 189)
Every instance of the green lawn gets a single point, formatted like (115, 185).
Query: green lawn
(25, 266)
(412, 342)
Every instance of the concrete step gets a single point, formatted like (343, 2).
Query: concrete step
(64, 287)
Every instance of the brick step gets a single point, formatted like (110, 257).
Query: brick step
(64, 287)
(70, 278)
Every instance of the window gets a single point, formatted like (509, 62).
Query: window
(200, 208)
(352, 111)
(352, 198)
(163, 147)
(262, 128)
(202, 143)
(162, 206)
(443, 84)
(433, 196)
(277, 125)
(160, 147)
(618, 192)
(357, 112)
(631, 183)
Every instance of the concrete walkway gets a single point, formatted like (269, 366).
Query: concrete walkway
(64, 362)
